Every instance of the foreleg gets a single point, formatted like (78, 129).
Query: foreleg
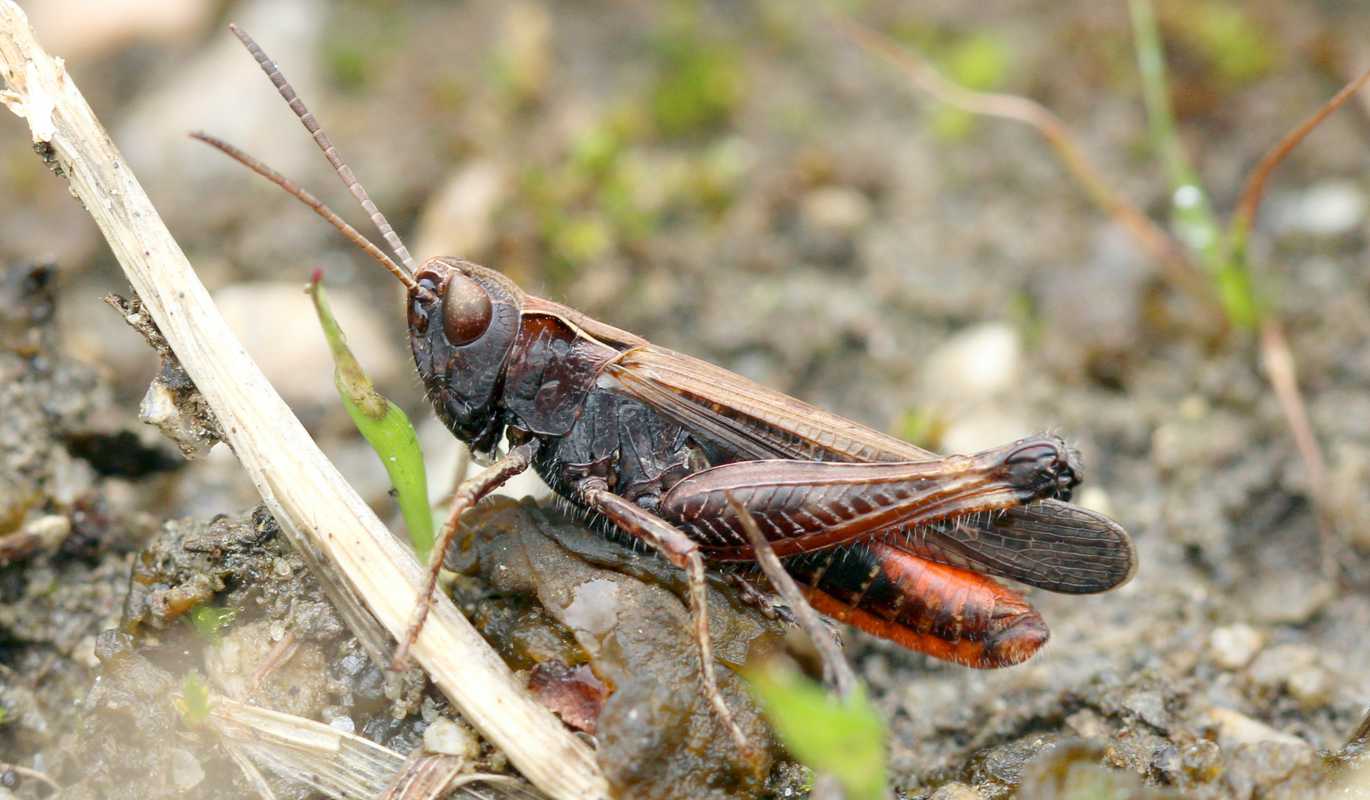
(467, 494)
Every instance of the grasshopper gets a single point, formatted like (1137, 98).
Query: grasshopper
(673, 451)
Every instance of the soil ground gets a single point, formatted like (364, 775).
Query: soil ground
(742, 183)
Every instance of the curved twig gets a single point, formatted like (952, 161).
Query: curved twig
(1254, 190)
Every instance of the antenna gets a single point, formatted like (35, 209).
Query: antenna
(313, 202)
(325, 144)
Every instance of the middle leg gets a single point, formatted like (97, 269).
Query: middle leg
(681, 551)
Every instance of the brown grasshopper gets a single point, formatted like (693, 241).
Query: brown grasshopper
(654, 445)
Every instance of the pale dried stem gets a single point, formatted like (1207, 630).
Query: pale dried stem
(1255, 185)
(836, 670)
(31, 774)
(1152, 238)
(322, 516)
(1280, 370)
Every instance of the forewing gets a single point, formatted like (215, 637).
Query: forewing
(749, 420)
(1052, 545)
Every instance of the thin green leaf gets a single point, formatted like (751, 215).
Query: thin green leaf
(1196, 225)
(844, 739)
(384, 426)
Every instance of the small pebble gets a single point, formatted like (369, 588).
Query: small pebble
(979, 362)
(956, 791)
(1095, 499)
(84, 654)
(448, 737)
(1233, 646)
(1288, 598)
(460, 217)
(1235, 728)
(1201, 761)
(114, 25)
(186, 771)
(291, 350)
(1311, 687)
(1274, 667)
(1087, 724)
(835, 209)
(1329, 208)
(1166, 762)
(1149, 706)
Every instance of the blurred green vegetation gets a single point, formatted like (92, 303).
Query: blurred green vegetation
(193, 704)
(975, 59)
(1237, 49)
(922, 426)
(845, 738)
(978, 61)
(210, 621)
(698, 81)
(357, 39)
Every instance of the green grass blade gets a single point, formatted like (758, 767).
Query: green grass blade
(843, 738)
(1194, 218)
(1195, 223)
(383, 425)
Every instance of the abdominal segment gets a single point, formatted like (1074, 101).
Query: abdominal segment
(943, 611)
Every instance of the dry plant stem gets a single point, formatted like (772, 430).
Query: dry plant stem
(315, 507)
(279, 655)
(31, 774)
(1255, 185)
(424, 776)
(836, 670)
(1160, 245)
(1283, 377)
(1275, 350)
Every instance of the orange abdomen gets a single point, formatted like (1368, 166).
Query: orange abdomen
(943, 611)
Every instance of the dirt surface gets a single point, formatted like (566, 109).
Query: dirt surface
(740, 182)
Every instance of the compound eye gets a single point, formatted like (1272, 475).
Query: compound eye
(466, 310)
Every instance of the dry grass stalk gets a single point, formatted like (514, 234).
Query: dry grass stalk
(320, 513)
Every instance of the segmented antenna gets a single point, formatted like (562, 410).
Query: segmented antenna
(313, 202)
(325, 144)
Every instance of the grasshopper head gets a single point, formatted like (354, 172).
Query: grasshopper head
(463, 320)
(1042, 467)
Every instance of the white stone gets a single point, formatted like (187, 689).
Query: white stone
(276, 322)
(449, 737)
(976, 364)
(1233, 646)
(1235, 728)
(186, 771)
